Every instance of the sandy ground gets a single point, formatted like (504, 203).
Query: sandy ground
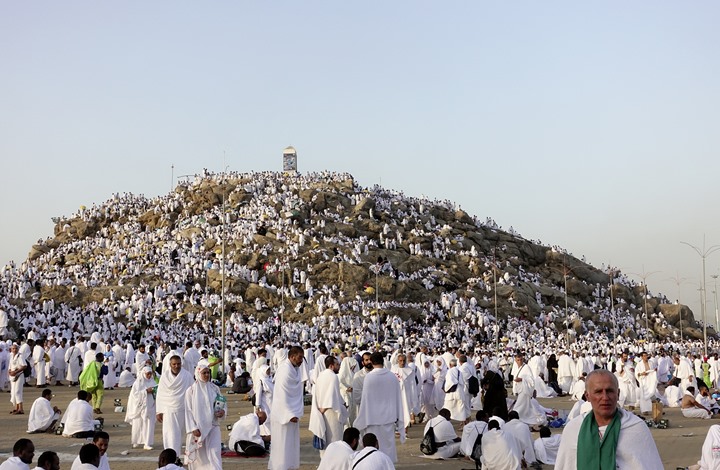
(679, 445)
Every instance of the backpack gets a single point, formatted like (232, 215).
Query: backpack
(473, 385)
(428, 446)
(477, 449)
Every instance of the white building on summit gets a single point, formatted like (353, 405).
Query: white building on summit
(289, 159)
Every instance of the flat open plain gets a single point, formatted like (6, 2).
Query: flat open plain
(679, 445)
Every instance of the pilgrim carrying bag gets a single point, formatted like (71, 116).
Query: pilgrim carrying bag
(454, 387)
(428, 446)
(473, 385)
(318, 443)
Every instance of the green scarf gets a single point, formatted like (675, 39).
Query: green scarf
(598, 454)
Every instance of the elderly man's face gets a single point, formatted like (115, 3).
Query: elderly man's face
(602, 393)
(401, 361)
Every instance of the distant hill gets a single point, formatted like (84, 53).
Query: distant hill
(282, 229)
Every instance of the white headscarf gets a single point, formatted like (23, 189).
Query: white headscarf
(139, 405)
(201, 398)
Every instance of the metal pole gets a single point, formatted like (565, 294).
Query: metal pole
(222, 285)
(172, 177)
(567, 319)
(704, 305)
(715, 277)
(282, 300)
(612, 307)
(704, 253)
(647, 331)
(377, 308)
(497, 319)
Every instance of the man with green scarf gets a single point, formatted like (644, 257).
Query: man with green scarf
(91, 380)
(607, 437)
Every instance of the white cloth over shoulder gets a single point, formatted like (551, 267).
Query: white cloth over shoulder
(41, 415)
(371, 459)
(337, 456)
(546, 448)
(711, 449)
(14, 463)
(636, 448)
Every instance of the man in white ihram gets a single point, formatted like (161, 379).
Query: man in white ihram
(43, 415)
(328, 414)
(446, 439)
(287, 409)
(339, 454)
(370, 457)
(381, 407)
(607, 435)
(170, 403)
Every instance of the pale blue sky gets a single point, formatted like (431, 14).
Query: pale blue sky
(593, 126)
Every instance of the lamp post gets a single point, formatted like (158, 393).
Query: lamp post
(611, 272)
(704, 253)
(679, 280)
(495, 304)
(222, 282)
(644, 277)
(222, 268)
(715, 278)
(377, 306)
(375, 267)
(565, 271)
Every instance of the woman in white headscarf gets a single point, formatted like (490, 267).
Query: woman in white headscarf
(439, 377)
(204, 406)
(264, 388)
(141, 410)
(427, 389)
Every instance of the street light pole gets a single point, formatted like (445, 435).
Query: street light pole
(222, 282)
(497, 319)
(704, 253)
(644, 277)
(715, 277)
(679, 280)
(377, 307)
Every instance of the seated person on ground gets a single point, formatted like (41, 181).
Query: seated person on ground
(706, 400)
(48, 460)
(126, 379)
(101, 440)
(546, 446)
(691, 408)
(471, 431)
(78, 420)
(245, 435)
(673, 394)
(43, 415)
(446, 439)
(370, 458)
(168, 460)
(242, 383)
(339, 454)
(89, 457)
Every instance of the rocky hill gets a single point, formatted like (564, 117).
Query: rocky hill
(321, 244)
